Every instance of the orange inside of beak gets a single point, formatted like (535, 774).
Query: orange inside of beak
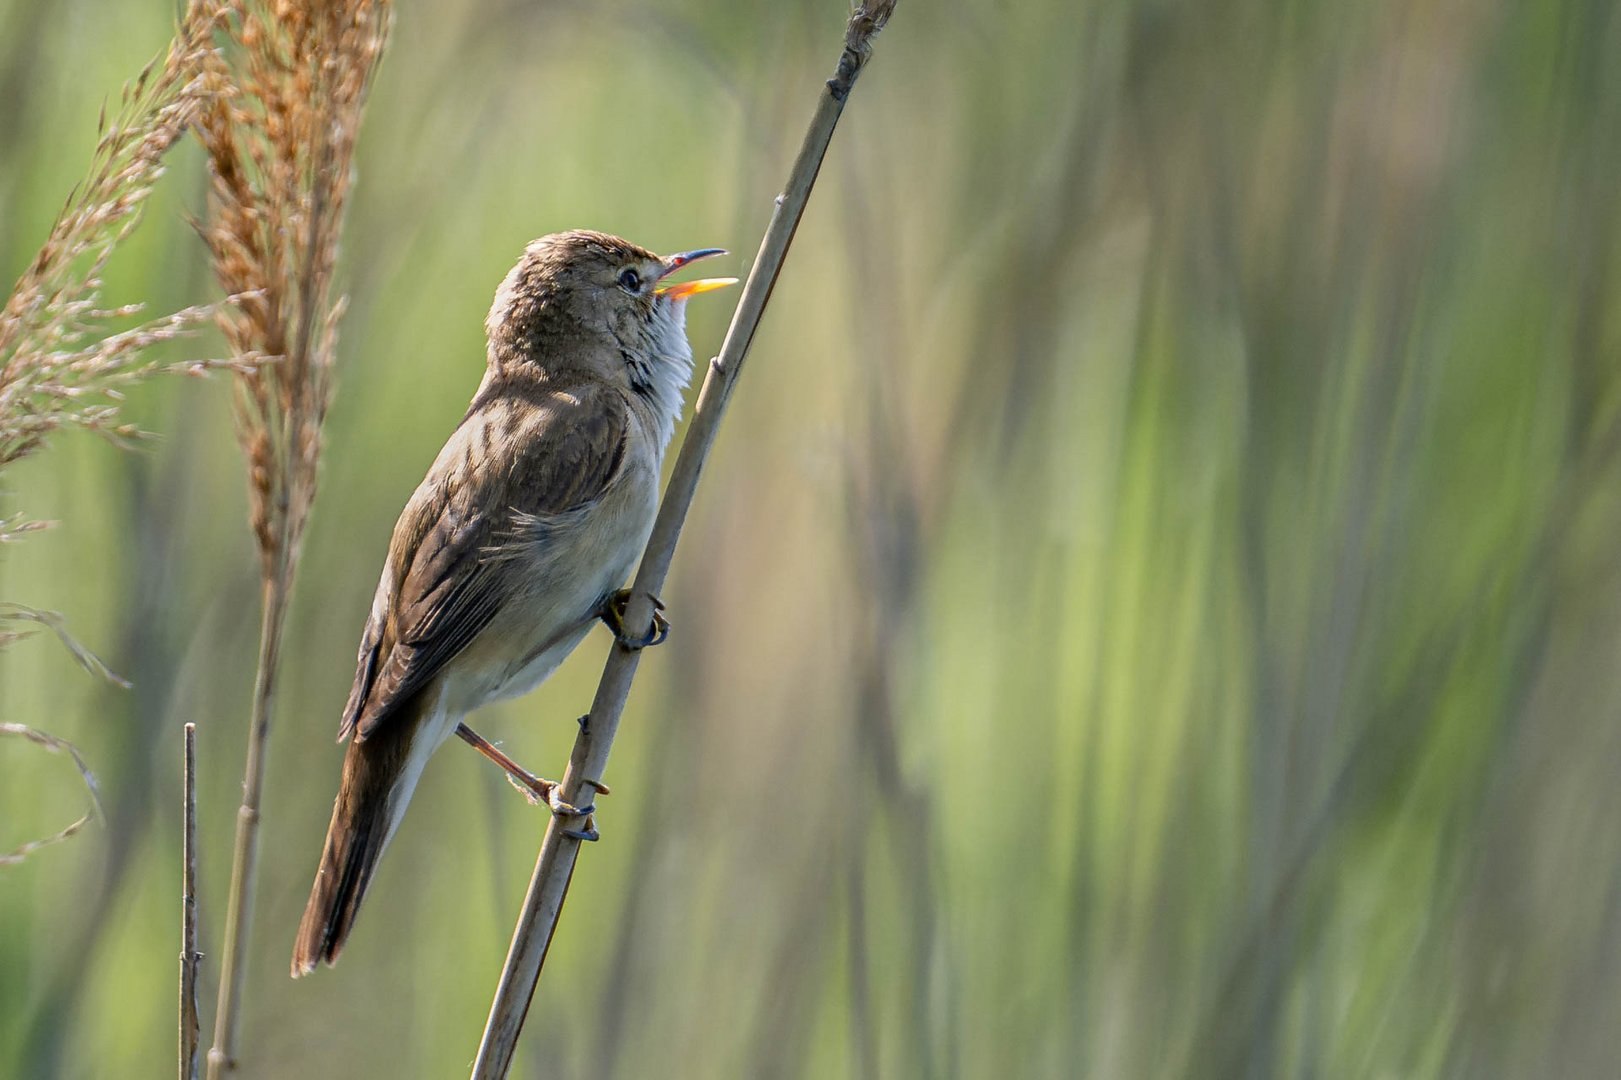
(692, 288)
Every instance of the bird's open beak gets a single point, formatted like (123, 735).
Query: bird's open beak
(681, 291)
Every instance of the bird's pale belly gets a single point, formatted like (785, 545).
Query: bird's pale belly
(568, 577)
(522, 676)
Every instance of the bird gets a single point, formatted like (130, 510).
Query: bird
(516, 542)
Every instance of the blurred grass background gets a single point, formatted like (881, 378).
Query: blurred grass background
(1153, 611)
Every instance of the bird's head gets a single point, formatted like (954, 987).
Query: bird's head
(589, 299)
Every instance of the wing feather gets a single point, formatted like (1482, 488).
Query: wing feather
(522, 457)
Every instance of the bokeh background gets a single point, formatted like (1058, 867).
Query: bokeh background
(1154, 610)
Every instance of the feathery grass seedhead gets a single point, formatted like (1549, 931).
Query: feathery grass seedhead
(53, 621)
(52, 743)
(280, 145)
(49, 377)
(11, 613)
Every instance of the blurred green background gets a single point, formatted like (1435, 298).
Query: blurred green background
(1154, 609)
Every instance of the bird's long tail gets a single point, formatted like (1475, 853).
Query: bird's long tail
(380, 773)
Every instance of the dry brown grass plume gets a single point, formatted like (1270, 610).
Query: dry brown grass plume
(280, 148)
(280, 144)
(62, 363)
(61, 366)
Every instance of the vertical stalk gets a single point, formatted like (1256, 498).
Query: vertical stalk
(190, 1025)
(244, 860)
(280, 152)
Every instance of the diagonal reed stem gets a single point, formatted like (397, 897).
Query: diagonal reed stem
(555, 865)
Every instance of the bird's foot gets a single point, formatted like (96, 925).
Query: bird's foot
(536, 789)
(612, 614)
(588, 834)
(588, 831)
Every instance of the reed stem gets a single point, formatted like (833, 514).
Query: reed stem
(190, 1024)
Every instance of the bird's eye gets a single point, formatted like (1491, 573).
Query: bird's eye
(630, 280)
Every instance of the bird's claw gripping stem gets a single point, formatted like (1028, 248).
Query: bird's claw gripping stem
(588, 833)
(612, 615)
(534, 788)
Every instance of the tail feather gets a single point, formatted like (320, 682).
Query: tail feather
(340, 884)
(379, 775)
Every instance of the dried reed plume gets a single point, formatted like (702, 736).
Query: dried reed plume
(60, 366)
(280, 147)
(51, 742)
(280, 144)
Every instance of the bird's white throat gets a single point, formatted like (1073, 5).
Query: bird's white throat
(662, 366)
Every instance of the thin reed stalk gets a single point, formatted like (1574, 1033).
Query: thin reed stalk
(554, 867)
(190, 958)
(280, 146)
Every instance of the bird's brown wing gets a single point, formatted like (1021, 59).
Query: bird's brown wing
(521, 456)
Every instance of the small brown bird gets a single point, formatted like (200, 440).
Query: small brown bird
(518, 539)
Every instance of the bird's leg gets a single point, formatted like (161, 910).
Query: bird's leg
(612, 614)
(535, 789)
